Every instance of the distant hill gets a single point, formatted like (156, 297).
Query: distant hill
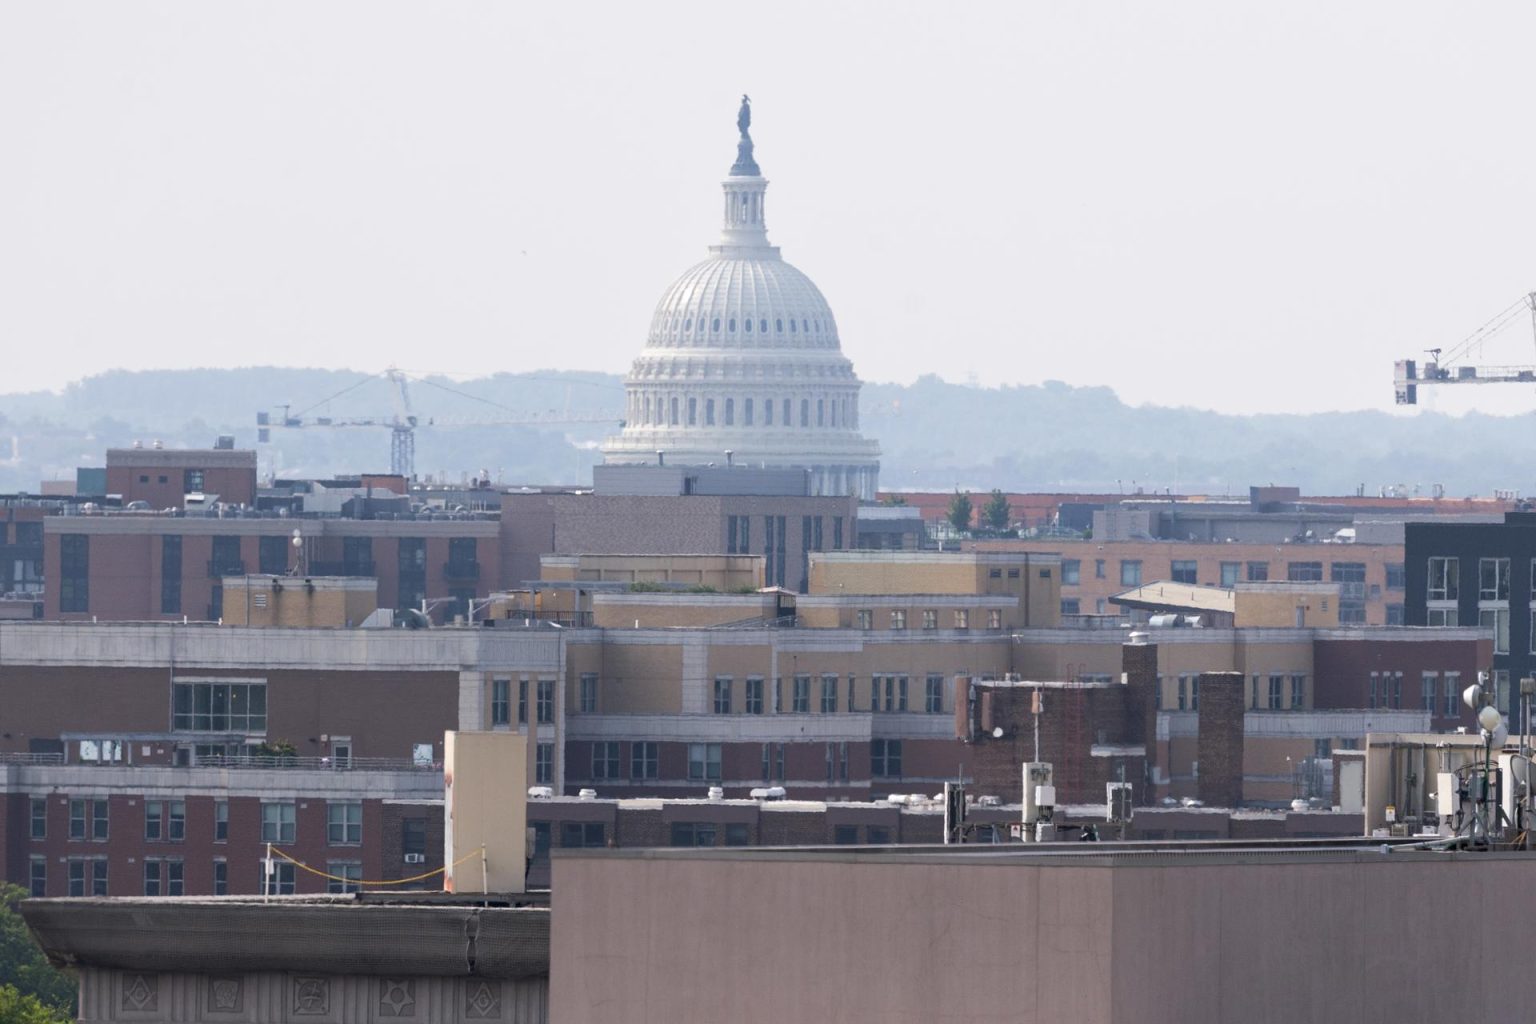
(934, 435)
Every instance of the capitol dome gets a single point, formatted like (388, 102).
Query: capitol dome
(743, 356)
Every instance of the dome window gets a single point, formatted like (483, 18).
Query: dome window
(763, 325)
(805, 325)
(747, 325)
(791, 327)
(688, 324)
(731, 324)
(778, 325)
(717, 324)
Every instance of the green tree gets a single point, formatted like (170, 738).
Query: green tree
(960, 511)
(16, 1007)
(893, 501)
(996, 512)
(25, 972)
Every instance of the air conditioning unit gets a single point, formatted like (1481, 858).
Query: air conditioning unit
(415, 858)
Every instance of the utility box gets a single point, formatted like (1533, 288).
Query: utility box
(485, 811)
(1117, 801)
(1037, 783)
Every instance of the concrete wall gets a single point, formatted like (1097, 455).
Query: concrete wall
(1167, 940)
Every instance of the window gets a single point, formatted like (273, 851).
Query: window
(1071, 572)
(704, 761)
(1071, 606)
(898, 618)
(501, 702)
(344, 823)
(192, 481)
(37, 877)
(1442, 616)
(605, 760)
(644, 760)
(522, 702)
(277, 877)
(88, 819)
(170, 574)
(1493, 579)
(1185, 571)
(278, 822)
(151, 877)
(1395, 615)
(220, 821)
(693, 833)
(802, 695)
(865, 618)
(1304, 572)
(723, 695)
(346, 876)
(737, 834)
(413, 836)
(1298, 692)
(219, 707)
(754, 695)
(930, 618)
(1452, 694)
(933, 694)
(962, 618)
(738, 535)
(544, 764)
(1496, 619)
(74, 572)
(828, 694)
(576, 835)
(845, 835)
(1444, 579)
(272, 555)
(1350, 576)
(1230, 573)
(87, 876)
(1258, 572)
(221, 877)
(1130, 572)
(1428, 683)
(546, 701)
(1397, 578)
(1276, 692)
(885, 759)
(165, 819)
(39, 808)
(1375, 690)
(994, 618)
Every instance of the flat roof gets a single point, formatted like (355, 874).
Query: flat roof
(397, 936)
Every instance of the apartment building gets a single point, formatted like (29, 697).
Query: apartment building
(1462, 574)
(160, 758)
(1372, 584)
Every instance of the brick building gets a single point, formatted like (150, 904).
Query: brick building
(162, 478)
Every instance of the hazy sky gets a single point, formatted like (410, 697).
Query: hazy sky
(1235, 206)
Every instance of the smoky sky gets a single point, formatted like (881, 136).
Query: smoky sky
(1245, 207)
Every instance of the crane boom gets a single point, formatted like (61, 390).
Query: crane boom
(402, 423)
(1408, 376)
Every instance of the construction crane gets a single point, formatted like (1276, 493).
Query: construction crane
(403, 421)
(1445, 367)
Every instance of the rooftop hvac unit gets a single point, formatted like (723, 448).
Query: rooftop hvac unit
(415, 858)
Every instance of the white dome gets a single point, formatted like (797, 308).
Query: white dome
(743, 355)
(743, 303)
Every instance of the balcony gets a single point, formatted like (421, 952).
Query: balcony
(219, 568)
(461, 570)
(359, 569)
